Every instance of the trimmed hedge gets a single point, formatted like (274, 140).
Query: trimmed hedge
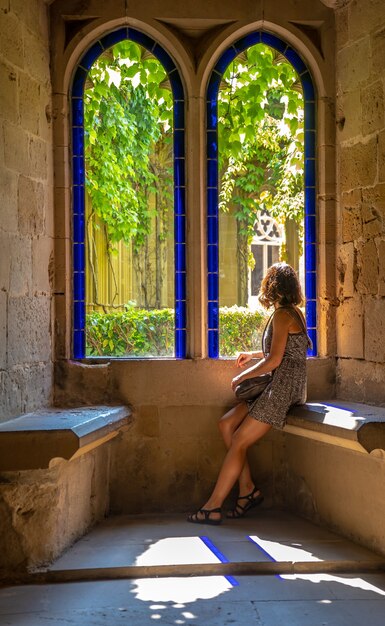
(140, 333)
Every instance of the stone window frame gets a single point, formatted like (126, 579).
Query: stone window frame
(310, 140)
(78, 184)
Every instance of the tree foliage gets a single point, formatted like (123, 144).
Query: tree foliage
(128, 125)
(260, 141)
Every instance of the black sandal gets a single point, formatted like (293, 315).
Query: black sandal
(240, 511)
(194, 519)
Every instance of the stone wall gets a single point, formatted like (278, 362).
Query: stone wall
(26, 224)
(45, 511)
(170, 457)
(338, 488)
(361, 180)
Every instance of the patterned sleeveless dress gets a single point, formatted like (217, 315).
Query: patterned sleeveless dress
(288, 386)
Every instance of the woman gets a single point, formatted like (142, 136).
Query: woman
(284, 354)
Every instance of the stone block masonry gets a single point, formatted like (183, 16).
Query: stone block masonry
(361, 176)
(26, 236)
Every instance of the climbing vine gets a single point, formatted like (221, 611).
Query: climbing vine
(260, 137)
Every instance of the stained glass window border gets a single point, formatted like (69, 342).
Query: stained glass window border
(309, 93)
(78, 185)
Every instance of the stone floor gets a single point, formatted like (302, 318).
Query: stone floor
(267, 539)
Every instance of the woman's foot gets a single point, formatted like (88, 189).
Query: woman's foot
(245, 503)
(206, 516)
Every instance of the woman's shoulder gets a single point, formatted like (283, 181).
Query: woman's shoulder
(287, 315)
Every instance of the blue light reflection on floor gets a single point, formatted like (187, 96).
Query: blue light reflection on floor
(223, 559)
(265, 553)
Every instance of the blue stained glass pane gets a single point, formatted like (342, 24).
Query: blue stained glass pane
(225, 60)
(79, 231)
(91, 55)
(179, 228)
(112, 38)
(213, 286)
(213, 344)
(179, 201)
(212, 258)
(77, 112)
(212, 144)
(180, 344)
(78, 83)
(79, 259)
(180, 314)
(310, 228)
(78, 170)
(309, 144)
(213, 314)
(309, 172)
(178, 144)
(310, 256)
(310, 202)
(213, 87)
(247, 41)
(311, 313)
(296, 61)
(212, 229)
(141, 38)
(164, 58)
(313, 336)
(79, 286)
(77, 141)
(179, 114)
(307, 86)
(78, 199)
(179, 173)
(79, 315)
(79, 344)
(309, 122)
(273, 41)
(212, 173)
(180, 257)
(176, 85)
(180, 286)
(212, 202)
(310, 285)
(212, 115)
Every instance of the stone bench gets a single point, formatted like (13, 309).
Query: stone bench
(352, 425)
(33, 440)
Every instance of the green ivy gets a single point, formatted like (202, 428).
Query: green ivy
(260, 138)
(141, 333)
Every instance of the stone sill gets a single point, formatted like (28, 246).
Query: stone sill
(359, 427)
(33, 440)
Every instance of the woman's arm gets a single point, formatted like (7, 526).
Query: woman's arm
(245, 357)
(281, 324)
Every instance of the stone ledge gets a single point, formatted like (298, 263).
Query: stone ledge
(359, 427)
(33, 440)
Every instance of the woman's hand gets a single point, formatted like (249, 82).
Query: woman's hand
(243, 358)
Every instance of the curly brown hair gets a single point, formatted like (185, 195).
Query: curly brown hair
(281, 285)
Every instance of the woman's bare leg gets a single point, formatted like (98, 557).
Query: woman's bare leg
(246, 434)
(228, 424)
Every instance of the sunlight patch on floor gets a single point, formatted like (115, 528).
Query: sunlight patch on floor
(357, 583)
(177, 551)
(282, 552)
(181, 590)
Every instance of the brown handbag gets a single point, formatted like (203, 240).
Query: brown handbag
(251, 388)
